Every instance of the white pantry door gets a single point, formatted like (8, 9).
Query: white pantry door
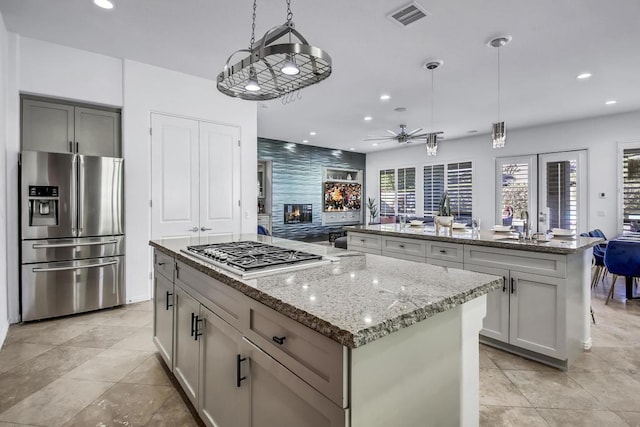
(219, 179)
(175, 168)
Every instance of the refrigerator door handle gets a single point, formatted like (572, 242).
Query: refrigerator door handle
(80, 195)
(70, 245)
(46, 270)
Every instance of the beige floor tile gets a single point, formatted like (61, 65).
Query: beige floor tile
(56, 403)
(552, 390)
(500, 416)
(632, 418)
(57, 361)
(619, 392)
(151, 371)
(485, 361)
(14, 388)
(496, 389)
(140, 341)
(141, 306)
(17, 353)
(56, 333)
(110, 365)
(571, 417)
(174, 413)
(3, 424)
(124, 404)
(505, 361)
(102, 336)
(132, 318)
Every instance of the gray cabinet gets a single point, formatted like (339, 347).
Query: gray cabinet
(186, 346)
(163, 317)
(496, 322)
(65, 128)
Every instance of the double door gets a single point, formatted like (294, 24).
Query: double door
(526, 311)
(195, 183)
(65, 128)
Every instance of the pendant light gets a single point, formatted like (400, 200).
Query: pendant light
(275, 65)
(498, 129)
(432, 137)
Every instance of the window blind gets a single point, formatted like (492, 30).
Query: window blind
(407, 190)
(460, 190)
(631, 185)
(515, 191)
(387, 192)
(433, 181)
(562, 195)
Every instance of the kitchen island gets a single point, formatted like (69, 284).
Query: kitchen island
(356, 340)
(542, 309)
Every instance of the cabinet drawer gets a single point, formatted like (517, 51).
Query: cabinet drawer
(398, 245)
(525, 261)
(315, 358)
(397, 255)
(444, 251)
(366, 241)
(446, 263)
(221, 299)
(164, 265)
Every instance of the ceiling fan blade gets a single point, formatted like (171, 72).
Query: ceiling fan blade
(421, 135)
(384, 138)
(414, 131)
(392, 132)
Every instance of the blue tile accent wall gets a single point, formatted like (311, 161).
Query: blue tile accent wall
(297, 178)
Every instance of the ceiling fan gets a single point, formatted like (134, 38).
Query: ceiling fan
(403, 137)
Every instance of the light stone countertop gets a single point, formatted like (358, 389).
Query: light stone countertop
(355, 299)
(551, 245)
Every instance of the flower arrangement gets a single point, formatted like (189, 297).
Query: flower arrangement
(373, 209)
(444, 208)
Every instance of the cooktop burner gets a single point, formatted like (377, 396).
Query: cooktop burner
(247, 256)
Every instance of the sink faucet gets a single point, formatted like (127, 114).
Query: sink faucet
(525, 228)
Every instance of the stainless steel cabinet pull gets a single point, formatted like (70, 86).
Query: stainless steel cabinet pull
(194, 229)
(279, 340)
(81, 179)
(45, 270)
(205, 229)
(70, 245)
(239, 377)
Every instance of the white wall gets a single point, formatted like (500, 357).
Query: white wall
(4, 56)
(600, 136)
(150, 89)
(47, 69)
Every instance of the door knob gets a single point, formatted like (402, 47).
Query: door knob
(205, 229)
(194, 229)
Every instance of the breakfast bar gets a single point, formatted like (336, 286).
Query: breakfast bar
(352, 340)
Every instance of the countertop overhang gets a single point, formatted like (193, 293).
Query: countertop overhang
(554, 245)
(354, 300)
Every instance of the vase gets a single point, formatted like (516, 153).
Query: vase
(444, 222)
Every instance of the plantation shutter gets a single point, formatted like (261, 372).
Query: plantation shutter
(433, 188)
(631, 185)
(460, 190)
(561, 197)
(407, 190)
(515, 191)
(387, 192)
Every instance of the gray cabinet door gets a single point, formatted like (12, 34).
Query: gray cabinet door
(163, 317)
(185, 348)
(97, 132)
(222, 401)
(496, 322)
(47, 126)
(280, 398)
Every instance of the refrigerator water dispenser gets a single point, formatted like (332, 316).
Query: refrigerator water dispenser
(43, 205)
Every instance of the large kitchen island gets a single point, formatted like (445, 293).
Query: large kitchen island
(542, 308)
(350, 340)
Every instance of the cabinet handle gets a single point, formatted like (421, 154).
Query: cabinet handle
(513, 288)
(169, 294)
(77, 147)
(71, 146)
(442, 251)
(239, 377)
(401, 246)
(504, 284)
(193, 324)
(161, 263)
(279, 340)
(196, 330)
(362, 240)
(205, 229)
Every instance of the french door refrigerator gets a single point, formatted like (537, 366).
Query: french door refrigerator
(72, 234)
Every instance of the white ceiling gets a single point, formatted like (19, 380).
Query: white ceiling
(553, 41)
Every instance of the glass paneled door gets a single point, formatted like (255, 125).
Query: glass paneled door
(562, 199)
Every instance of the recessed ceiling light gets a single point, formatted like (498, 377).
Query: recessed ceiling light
(304, 141)
(611, 102)
(375, 144)
(583, 76)
(312, 133)
(368, 118)
(385, 97)
(105, 4)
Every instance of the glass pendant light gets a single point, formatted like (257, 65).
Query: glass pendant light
(499, 129)
(432, 138)
(432, 144)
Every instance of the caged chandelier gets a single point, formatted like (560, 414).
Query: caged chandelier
(282, 61)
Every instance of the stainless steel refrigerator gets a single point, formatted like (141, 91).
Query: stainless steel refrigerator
(72, 234)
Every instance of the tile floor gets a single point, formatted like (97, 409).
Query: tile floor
(101, 369)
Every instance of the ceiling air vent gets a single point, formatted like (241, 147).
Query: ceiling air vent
(408, 14)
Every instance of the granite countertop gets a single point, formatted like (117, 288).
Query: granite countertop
(551, 244)
(356, 298)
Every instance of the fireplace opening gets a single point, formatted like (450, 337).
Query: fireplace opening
(299, 213)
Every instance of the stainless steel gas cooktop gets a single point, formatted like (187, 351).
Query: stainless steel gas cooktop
(251, 259)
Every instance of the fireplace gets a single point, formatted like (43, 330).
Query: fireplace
(299, 213)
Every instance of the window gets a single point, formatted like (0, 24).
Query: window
(456, 179)
(514, 195)
(631, 188)
(562, 194)
(397, 195)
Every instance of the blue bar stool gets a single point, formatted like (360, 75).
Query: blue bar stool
(262, 231)
(622, 258)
